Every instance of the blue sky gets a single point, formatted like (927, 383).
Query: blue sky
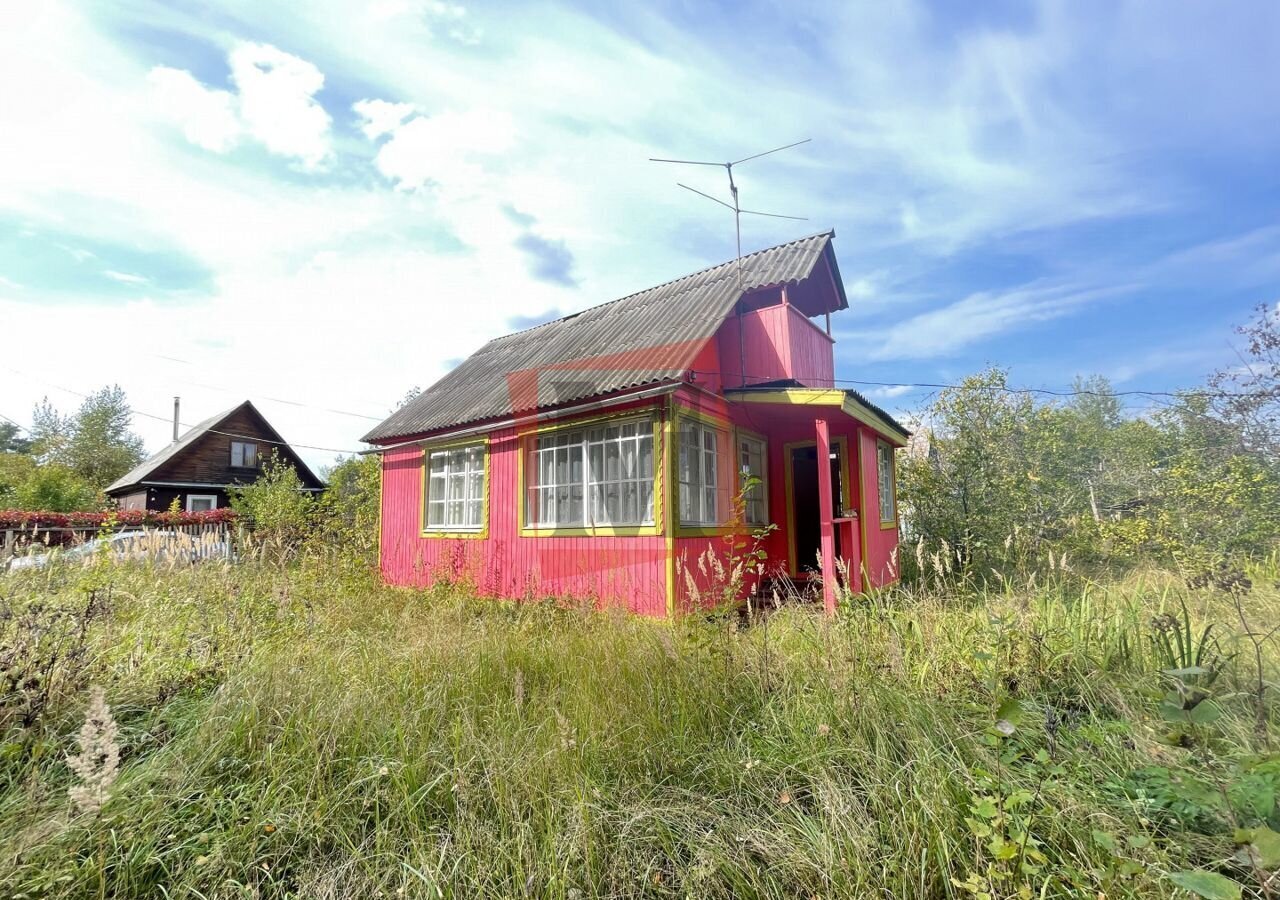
(328, 204)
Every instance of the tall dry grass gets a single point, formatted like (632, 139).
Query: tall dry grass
(301, 733)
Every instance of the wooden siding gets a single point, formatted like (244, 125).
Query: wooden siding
(773, 343)
(628, 572)
(208, 459)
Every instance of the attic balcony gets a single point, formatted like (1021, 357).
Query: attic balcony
(776, 341)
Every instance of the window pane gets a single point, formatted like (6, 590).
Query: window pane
(575, 504)
(575, 464)
(596, 472)
(435, 512)
(631, 502)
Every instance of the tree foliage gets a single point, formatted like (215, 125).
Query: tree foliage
(349, 506)
(281, 512)
(11, 439)
(1193, 483)
(96, 443)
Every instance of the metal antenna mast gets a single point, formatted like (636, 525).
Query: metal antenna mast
(733, 189)
(737, 223)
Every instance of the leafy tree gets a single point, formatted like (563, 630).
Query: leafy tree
(349, 506)
(1189, 484)
(1248, 395)
(96, 443)
(979, 481)
(51, 431)
(281, 512)
(11, 440)
(25, 484)
(103, 447)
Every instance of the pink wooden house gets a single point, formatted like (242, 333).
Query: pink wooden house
(598, 456)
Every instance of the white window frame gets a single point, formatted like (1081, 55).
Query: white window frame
(460, 480)
(569, 482)
(757, 499)
(698, 473)
(247, 449)
(212, 498)
(886, 484)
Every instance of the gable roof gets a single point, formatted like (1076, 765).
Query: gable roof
(152, 464)
(644, 338)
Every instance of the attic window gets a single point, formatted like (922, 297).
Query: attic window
(244, 455)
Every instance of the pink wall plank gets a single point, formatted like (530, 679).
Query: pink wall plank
(775, 342)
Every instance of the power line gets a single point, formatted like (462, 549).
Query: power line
(15, 424)
(1009, 390)
(298, 403)
(169, 419)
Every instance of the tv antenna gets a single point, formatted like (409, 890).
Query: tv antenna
(733, 190)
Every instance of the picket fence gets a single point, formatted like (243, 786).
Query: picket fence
(193, 541)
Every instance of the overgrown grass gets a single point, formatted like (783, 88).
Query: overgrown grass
(300, 733)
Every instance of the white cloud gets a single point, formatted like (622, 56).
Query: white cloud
(447, 149)
(126, 277)
(274, 104)
(888, 392)
(207, 117)
(277, 102)
(981, 316)
(380, 117)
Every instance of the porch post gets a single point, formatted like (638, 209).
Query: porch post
(825, 516)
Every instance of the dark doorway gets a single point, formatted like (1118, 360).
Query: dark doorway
(806, 515)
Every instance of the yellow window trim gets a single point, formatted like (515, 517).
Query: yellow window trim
(522, 447)
(840, 441)
(453, 534)
(713, 421)
(668, 500)
(886, 524)
(739, 433)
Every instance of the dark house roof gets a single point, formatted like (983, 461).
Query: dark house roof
(645, 338)
(145, 471)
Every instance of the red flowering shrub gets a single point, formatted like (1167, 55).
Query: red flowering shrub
(33, 519)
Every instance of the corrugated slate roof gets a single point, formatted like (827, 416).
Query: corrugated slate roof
(645, 338)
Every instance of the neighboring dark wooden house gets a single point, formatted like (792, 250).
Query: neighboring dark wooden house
(225, 450)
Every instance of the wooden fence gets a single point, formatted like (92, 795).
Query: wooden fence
(194, 541)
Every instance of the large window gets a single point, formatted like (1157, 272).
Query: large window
(884, 471)
(702, 489)
(455, 488)
(751, 465)
(244, 455)
(587, 477)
